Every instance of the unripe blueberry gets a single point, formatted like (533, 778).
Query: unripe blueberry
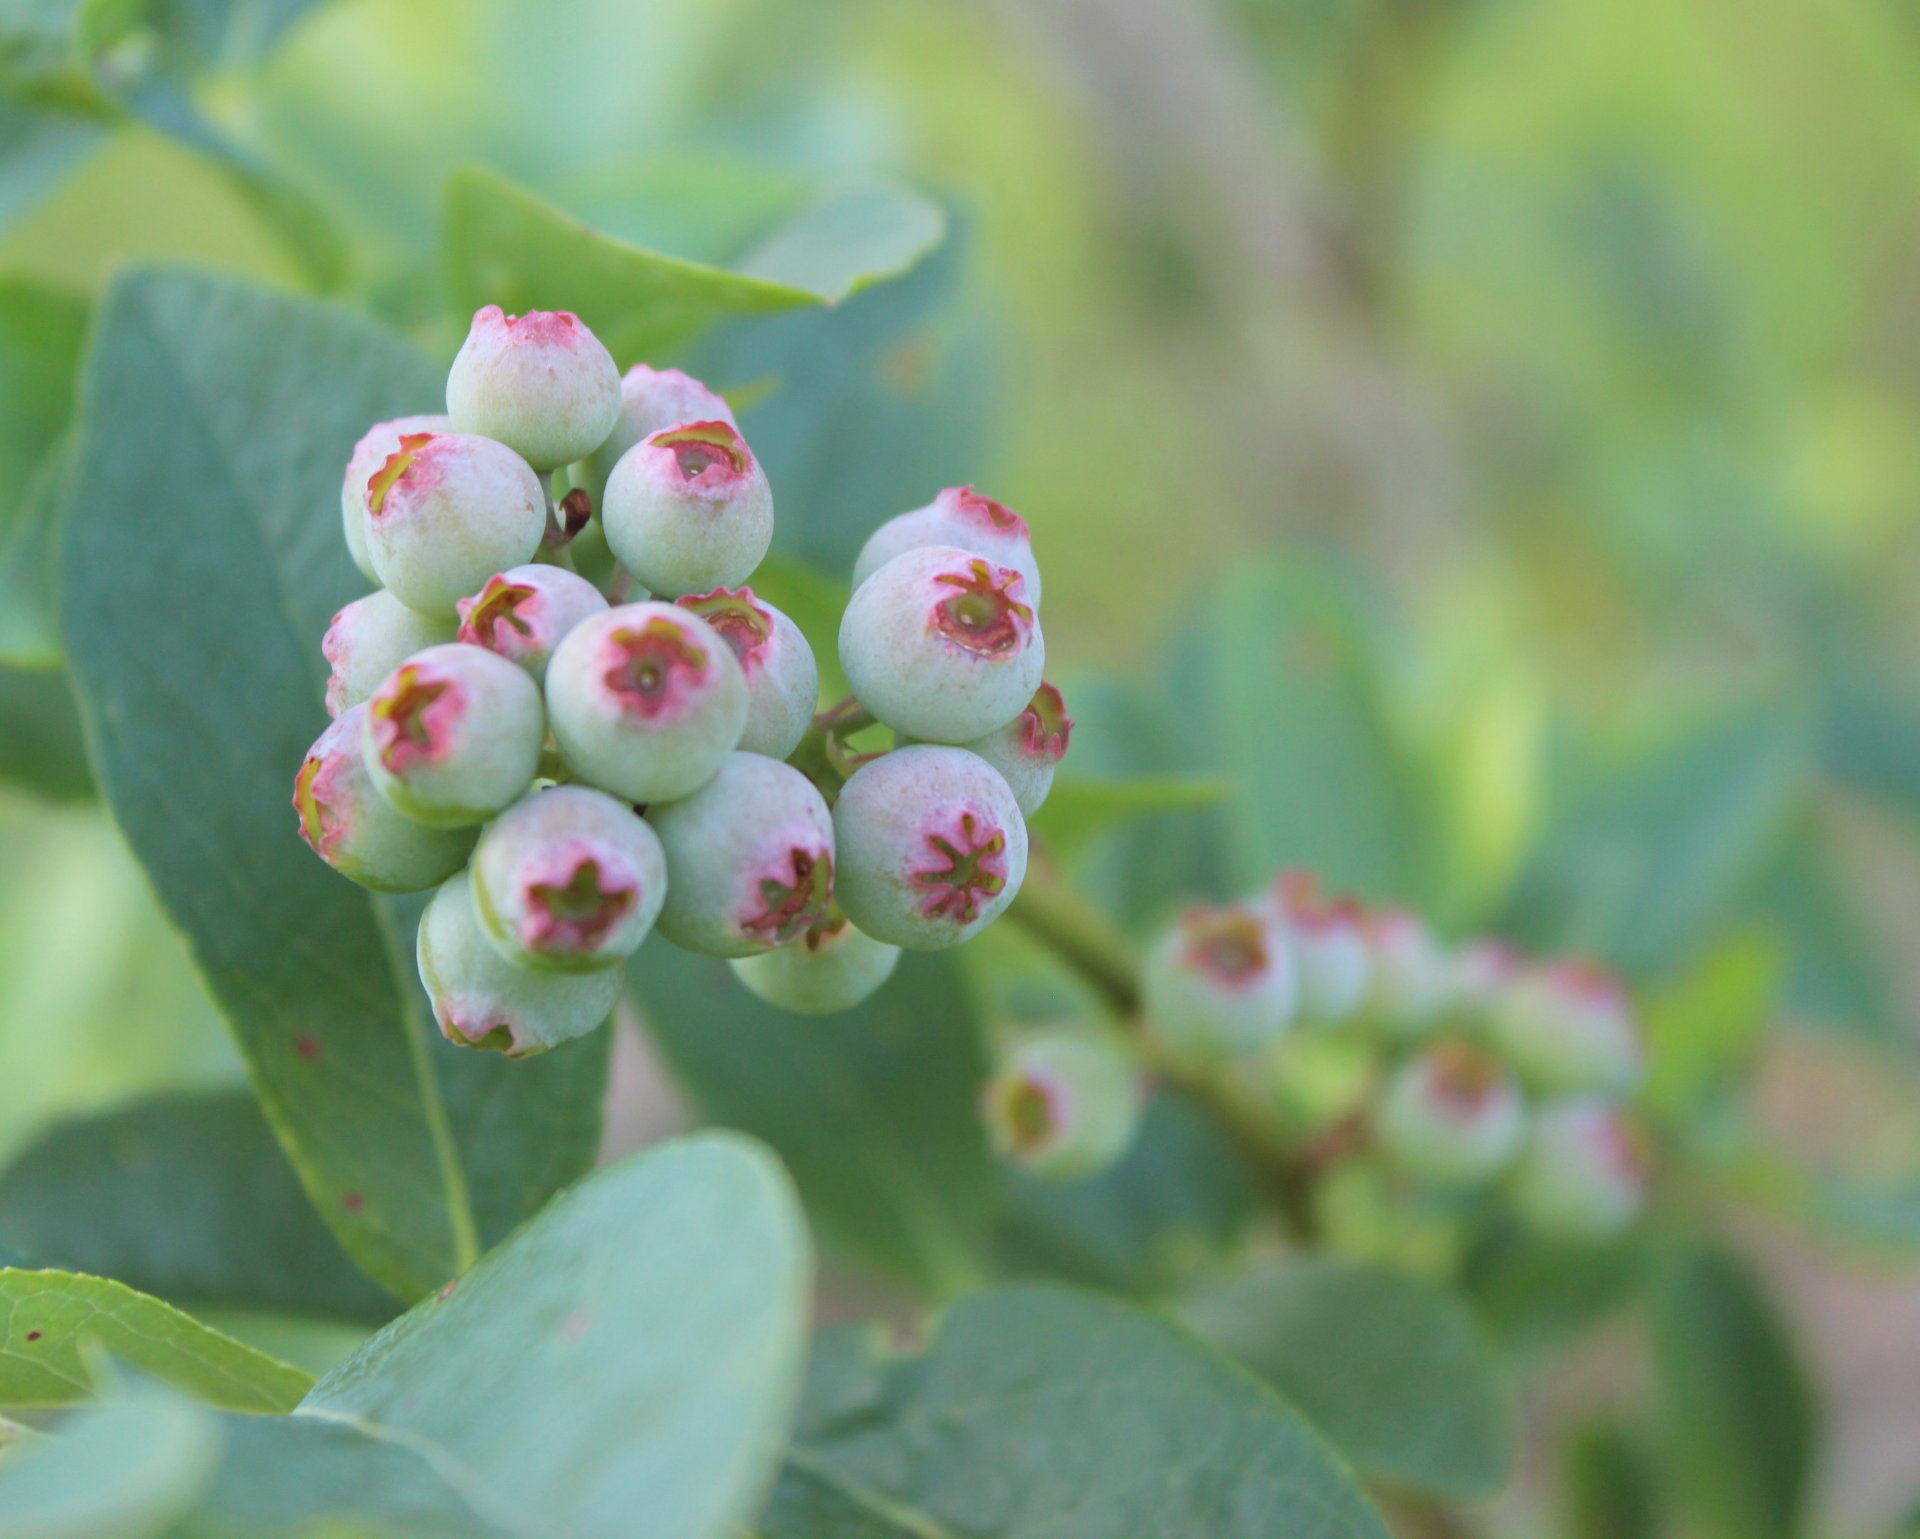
(1407, 972)
(445, 511)
(1028, 749)
(1329, 952)
(1219, 984)
(832, 967)
(454, 735)
(942, 645)
(376, 445)
(783, 681)
(351, 826)
(962, 518)
(480, 999)
(1451, 1116)
(931, 847)
(370, 638)
(1584, 1172)
(688, 509)
(749, 859)
(646, 701)
(540, 383)
(522, 614)
(1063, 1104)
(568, 878)
(1483, 974)
(1568, 1028)
(650, 399)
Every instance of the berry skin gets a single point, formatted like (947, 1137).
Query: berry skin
(445, 511)
(931, 845)
(522, 614)
(1584, 1172)
(962, 518)
(1451, 1116)
(350, 826)
(1329, 953)
(540, 383)
(688, 509)
(1219, 984)
(783, 681)
(568, 879)
(749, 859)
(454, 735)
(1028, 749)
(650, 399)
(370, 638)
(832, 967)
(1484, 973)
(1568, 1028)
(942, 645)
(482, 1000)
(375, 446)
(646, 701)
(1063, 1104)
(1407, 972)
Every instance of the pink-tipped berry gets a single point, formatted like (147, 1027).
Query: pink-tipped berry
(688, 509)
(1567, 1028)
(376, 446)
(783, 681)
(1063, 1104)
(524, 613)
(1585, 1170)
(962, 518)
(351, 826)
(1452, 1116)
(650, 399)
(1219, 984)
(1329, 951)
(540, 383)
(370, 638)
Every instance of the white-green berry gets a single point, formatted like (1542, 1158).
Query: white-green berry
(1585, 1170)
(750, 859)
(376, 446)
(568, 878)
(523, 614)
(1028, 749)
(650, 399)
(1408, 974)
(646, 701)
(1219, 984)
(688, 509)
(352, 827)
(962, 518)
(1063, 1104)
(942, 645)
(1451, 1116)
(832, 967)
(931, 847)
(370, 638)
(1329, 952)
(783, 681)
(1568, 1028)
(482, 1000)
(445, 511)
(540, 383)
(453, 736)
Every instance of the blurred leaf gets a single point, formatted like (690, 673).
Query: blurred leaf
(873, 1109)
(505, 246)
(1641, 864)
(42, 330)
(1394, 1372)
(1612, 1489)
(1045, 1411)
(29, 567)
(1080, 810)
(1871, 737)
(42, 746)
(1703, 1028)
(1177, 1201)
(1535, 1294)
(52, 1317)
(1738, 1416)
(37, 150)
(186, 1197)
(623, 1367)
(219, 414)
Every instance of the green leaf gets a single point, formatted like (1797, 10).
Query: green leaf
(506, 246)
(1613, 1491)
(42, 330)
(874, 1110)
(1737, 1411)
(1394, 1372)
(186, 1197)
(1537, 1294)
(1041, 1411)
(51, 1317)
(623, 1368)
(37, 149)
(215, 419)
(42, 745)
(1079, 810)
(1703, 1028)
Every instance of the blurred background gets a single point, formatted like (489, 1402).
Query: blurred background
(1483, 430)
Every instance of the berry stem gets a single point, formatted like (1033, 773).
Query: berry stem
(823, 756)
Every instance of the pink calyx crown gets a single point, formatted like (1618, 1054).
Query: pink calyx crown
(411, 462)
(1045, 726)
(744, 623)
(984, 612)
(793, 898)
(318, 802)
(965, 864)
(574, 895)
(655, 670)
(709, 456)
(414, 715)
(503, 617)
(1462, 1076)
(540, 328)
(1229, 946)
(1030, 1108)
(984, 512)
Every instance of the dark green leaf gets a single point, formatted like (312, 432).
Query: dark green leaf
(1612, 1488)
(1394, 1372)
(1079, 810)
(42, 746)
(1536, 1294)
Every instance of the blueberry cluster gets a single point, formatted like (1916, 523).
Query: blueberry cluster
(565, 709)
(1343, 1031)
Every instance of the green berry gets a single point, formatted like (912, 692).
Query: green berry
(1585, 1170)
(1219, 984)
(350, 825)
(1063, 1104)
(370, 638)
(962, 518)
(783, 681)
(931, 847)
(688, 509)
(1330, 959)
(1451, 1116)
(540, 383)
(942, 645)
(1028, 749)
(445, 512)
(832, 967)
(650, 400)
(454, 735)
(1407, 972)
(1568, 1028)
(749, 859)
(380, 443)
(568, 878)
(646, 701)
(523, 614)
(480, 999)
